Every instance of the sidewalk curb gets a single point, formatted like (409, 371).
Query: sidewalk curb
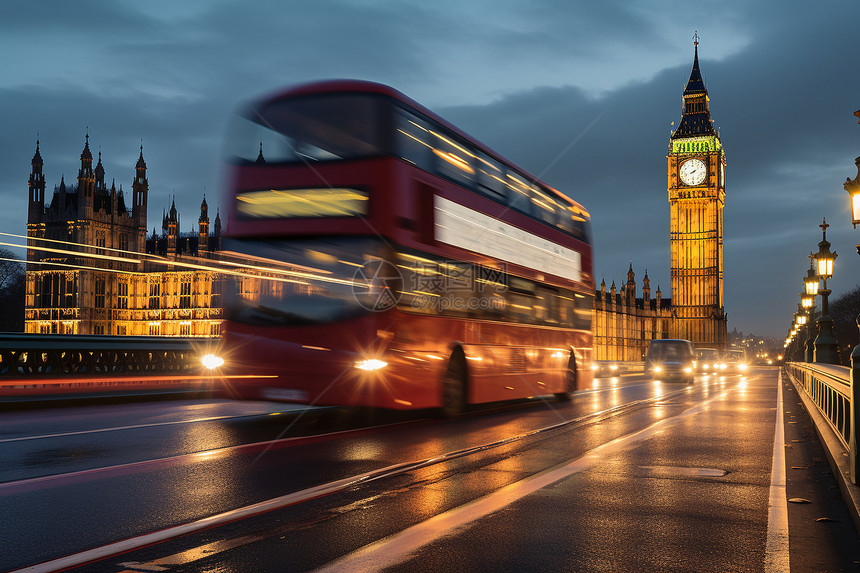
(837, 454)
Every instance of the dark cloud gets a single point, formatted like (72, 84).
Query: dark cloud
(579, 93)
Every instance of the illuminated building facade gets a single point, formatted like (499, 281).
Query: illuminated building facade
(697, 192)
(624, 324)
(92, 270)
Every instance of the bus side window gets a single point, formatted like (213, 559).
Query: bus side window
(543, 206)
(421, 284)
(566, 314)
(414, 142)
(547, 309)
(491, 178)
(583, 307)
(565, 220)
(454, 160)
(519, 193)
(521, 300)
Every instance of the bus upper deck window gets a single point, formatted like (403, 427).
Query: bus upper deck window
(307, 129)
(454, 160)
(543, 206)
(414, 142)
(519, 193)
(491, 177)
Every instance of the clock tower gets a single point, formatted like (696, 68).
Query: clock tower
(697, 193)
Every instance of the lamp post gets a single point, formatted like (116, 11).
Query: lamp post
(802, 320)
(810, 284)
(806, 303)
(826, 347)
(853, 188)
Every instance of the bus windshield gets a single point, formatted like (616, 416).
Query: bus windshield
(306, 281)
(308, 129)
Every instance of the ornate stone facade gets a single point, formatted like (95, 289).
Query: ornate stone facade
(91, 269)
(624, 324)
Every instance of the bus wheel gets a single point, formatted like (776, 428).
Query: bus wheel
(454, 386)
(570, 382)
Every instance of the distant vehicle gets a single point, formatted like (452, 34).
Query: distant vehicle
(736, 361)
(709, 360)
(670, 359)
(604, 368)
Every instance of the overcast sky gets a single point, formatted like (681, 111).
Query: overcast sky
(582, 93)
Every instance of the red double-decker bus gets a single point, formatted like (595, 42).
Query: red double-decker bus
(402, 263)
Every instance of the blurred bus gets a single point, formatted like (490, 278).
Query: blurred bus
(400, 263)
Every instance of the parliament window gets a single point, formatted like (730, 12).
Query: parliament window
(122, 295)
(100, 293)
(185, 293)
(154, 295)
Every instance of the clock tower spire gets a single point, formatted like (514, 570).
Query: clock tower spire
(696, 186)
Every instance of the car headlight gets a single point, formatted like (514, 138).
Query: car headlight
(688, 370)
(212, 361)
(369, 364)
(658, 369)
(742, 367)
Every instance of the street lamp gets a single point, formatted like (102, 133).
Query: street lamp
(853, 188)
(810, 285)
(826, 347)
(801, 315)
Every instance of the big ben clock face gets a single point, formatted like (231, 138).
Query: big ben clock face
(692, 172)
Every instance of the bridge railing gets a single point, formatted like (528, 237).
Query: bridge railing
(50, 363)
(831, 389)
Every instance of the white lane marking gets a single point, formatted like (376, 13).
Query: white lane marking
(399, 547)
(138, 426)
(776, 554)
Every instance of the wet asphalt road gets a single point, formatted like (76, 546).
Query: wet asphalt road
(665, 478)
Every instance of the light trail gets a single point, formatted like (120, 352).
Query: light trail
(140, 426)
(74, 253)
(296, 277)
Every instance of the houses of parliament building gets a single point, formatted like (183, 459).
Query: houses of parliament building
(92, 269)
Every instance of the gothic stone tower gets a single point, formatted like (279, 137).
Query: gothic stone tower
(697, 193)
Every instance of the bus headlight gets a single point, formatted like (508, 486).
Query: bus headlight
(370, 364)
(742, 367)
(212, 362)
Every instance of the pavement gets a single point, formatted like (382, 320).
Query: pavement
(834, 450)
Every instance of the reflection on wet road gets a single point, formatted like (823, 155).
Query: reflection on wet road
(631, 472)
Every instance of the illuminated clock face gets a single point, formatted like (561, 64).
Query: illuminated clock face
(693, 172)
